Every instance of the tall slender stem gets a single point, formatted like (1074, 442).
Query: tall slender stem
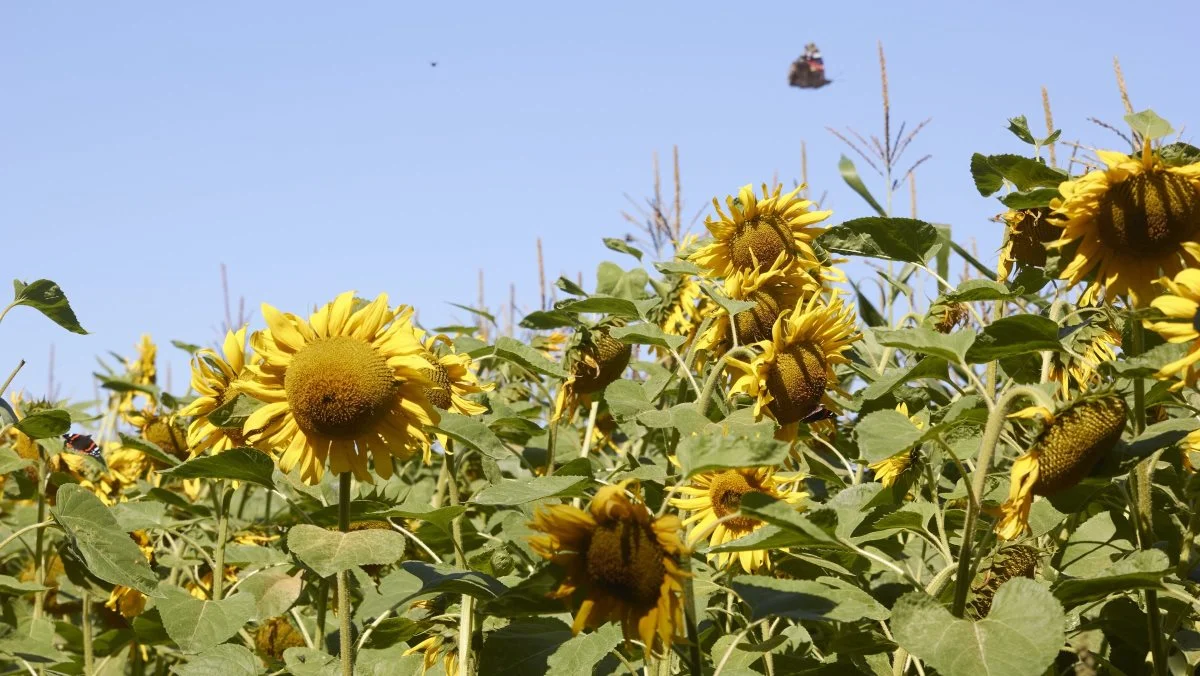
(467, 604)
(987, 449)
(89, 659)
(343, 580)
(218, 583)
(1143, 487)
(39, 541)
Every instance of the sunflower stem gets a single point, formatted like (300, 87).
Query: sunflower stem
(39, 540)
(1143, 495)
(689, 615)
(465, 627)
(711, 383)
(343, 580)
(987, 449)
(89, 658)
(223, 504)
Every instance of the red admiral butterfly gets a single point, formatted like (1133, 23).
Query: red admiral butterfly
(82, 443)
(808, 71)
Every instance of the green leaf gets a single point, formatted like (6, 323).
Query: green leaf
(520, 491)
(12, 585)
(645, 333)
(233, 413)
(186, 347)
(140, 515)
(94, 532)
(238, 464)
(1179, 154)
(440, 517)
(1014, 335)
(1020, 636)
(580, 654)
(850, 176)
(570, 286)
(990, 172)
(929, 367)
(311, 662)
(883, 434)
(1142, 569)
(198, 625)
(45, 424)
(222, 660)
(898, 239)
(821, 599)
(717, 450)
(33, 642)
(866, 309)
(1148, 363)
(7, 415)
(979, 289)
(1092, 548)
(46, 297)
(813, 528)
(539, 320)
(149, 448)
(446, 579)
(328, 551)
(952, 347)
(512, 350)
(476, 311)
(623, 247)
(523, 647)
(1149, 125)
(729, 305)
(604, 305)
(471, 431)
(677, 267)
(274, 591)
(10, 461)
(1019, 126)
(1030, 199)
(611, 280)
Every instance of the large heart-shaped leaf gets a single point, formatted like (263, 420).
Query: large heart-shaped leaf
(1020, 636)
(106, 548)
(329, 551)
(197, 625)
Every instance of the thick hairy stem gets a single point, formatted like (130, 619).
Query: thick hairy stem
(218, 583)
(466, 622)
(711, 383)
(987, 449)
(39, 541)
(343, 579)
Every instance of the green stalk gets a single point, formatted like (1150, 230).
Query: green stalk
(1143, 486)
(987, 449)
(343, 580)
(711, 383)
(465, 627)
(223, 503)
(89, 658)
(39, 542)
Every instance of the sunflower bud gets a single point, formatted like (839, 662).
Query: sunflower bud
(1016, 561)
(600, 363)
(1076, 440)
(275, 636)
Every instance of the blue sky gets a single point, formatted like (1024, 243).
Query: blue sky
(312, 149)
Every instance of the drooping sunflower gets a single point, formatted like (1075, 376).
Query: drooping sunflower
(217, 378)
(133, 405)
(713, 496)
(275, 636)
(594, 360)
(339, 388)
(890, 469)
(452, 377)
(772, 290)
(789, 379)
(621, 564)
(1027, 233)
(759, 231)
(1180, 305)
(1070, 444)
(1095, 344)
(1131, 223)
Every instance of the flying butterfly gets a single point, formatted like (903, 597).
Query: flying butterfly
(82, 443)
(808, 71)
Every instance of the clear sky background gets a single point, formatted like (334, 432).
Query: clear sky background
(311, 147)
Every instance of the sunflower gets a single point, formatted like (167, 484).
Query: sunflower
(790, 377)
(758, 232)
(713, 496)
(772, 291)
(433, 647)
(452, 377)
(1132, 222)
(888, 470)
(125, 467)
(621, 564)
(133, 405)
(1070, 444)
(340, 387)
(1095, 345)
(594, 361)
(683, 308)
(1027, 232)
(1189, 447)
(218, 379)
(1180, 304)
(275, 636)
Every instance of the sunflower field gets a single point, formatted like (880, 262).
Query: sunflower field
(796, 443)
